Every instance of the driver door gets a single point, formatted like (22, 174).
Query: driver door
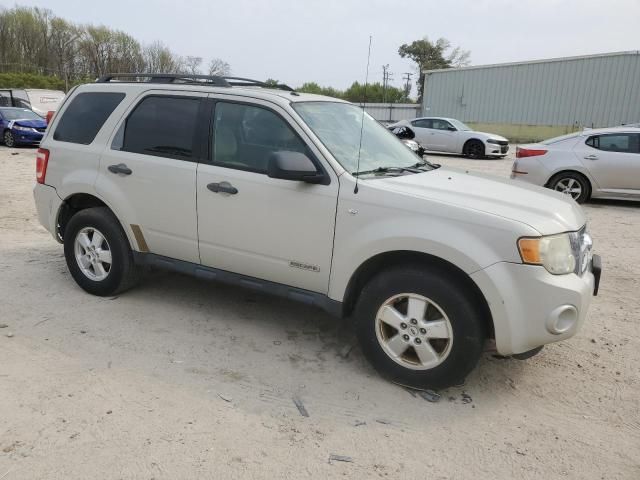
(444, 138)
(254, 225)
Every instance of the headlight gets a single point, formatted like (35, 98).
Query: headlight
(494, 141)
(559, 254)
(413, 145)
(23, 129)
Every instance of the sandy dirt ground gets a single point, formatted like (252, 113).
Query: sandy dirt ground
(183, 379)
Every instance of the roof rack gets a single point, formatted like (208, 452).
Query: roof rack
(180, 78)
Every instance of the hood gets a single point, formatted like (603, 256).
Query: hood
(487, 136)
(38, 123)
(542, 209)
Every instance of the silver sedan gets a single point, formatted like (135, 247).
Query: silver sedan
(597, 163)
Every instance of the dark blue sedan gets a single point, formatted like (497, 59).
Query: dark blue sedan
(21, 126)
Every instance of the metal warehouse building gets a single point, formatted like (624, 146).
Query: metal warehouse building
(527, 101)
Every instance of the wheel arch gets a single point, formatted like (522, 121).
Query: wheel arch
(469, 140)
(382, 261)
(586, 176)
(77, 202)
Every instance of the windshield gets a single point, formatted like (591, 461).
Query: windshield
(19, 114)
(338, 127)
(459, 125)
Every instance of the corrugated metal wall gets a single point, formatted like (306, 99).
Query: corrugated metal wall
(598, 90)
(392, 112)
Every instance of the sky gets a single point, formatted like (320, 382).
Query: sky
(326, 41)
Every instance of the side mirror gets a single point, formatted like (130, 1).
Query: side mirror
(452, 129)
(296, 166)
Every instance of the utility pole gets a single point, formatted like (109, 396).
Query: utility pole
(407, 85)
(386, 76)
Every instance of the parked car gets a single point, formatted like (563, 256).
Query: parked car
(595, 163)
(21, 126)
(407, 136)
(39, 100)
(310, 198)
(449, 135)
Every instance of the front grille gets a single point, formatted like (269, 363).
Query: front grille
(504, 148)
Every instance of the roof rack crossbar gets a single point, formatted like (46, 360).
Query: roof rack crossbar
(215, 80)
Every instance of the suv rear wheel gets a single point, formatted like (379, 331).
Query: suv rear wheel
(98, 253)
(420, 328)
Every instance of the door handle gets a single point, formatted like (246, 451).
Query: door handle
(591, 157)
(222, 187)
(120, 168)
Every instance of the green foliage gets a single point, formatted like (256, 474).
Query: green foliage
(35, 41)
(374, 93)
(433, 56)
(30, 80)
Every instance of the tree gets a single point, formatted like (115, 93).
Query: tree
(433, 56)
(192, 65)
(217, 66)
(158, 58)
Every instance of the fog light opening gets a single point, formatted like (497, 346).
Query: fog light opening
(562, 319)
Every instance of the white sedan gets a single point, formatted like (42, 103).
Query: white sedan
(439, 134)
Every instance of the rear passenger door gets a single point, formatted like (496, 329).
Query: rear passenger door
(422, 129)
(254, 225)
(148, 172)
(613, 160)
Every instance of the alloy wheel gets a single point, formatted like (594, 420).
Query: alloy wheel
(569, 186)
(414, 331)
(93, 254)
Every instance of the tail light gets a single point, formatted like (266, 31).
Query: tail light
(49, 116)
(42, 159)
(529, 152)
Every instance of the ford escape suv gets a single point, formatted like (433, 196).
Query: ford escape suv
(308, 197)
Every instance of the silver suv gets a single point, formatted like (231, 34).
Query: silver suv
(309, 198)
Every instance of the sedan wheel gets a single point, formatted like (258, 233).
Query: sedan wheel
(569, 186)
(9, 141)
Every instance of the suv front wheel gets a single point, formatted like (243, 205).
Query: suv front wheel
(98, 253)
(419, 327)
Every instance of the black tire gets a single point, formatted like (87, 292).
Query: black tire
(123, 272)
(9, 139)
(458, 302)
(474, 149)
(560, 181)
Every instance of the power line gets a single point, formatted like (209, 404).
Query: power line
(407, 86)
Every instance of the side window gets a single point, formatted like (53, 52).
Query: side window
(441, 124)
(85, 115)
(422, 123)
(623, 143)
(245, 136)
(163, 127)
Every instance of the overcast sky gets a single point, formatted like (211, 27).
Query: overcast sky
(326, 41)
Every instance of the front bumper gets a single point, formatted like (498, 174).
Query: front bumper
(22, 137)
(531, 307)
(496, 149)
(48, 205)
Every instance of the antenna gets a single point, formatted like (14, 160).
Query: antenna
(364, 101)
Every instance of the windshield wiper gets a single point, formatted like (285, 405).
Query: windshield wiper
(425, 163)
(411, 169)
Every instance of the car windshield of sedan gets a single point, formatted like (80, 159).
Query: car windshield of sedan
(19, 114)
(343, 130)
(460, 126)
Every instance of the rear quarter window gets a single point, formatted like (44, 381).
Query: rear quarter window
(85, 115)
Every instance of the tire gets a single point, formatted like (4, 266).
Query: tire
(474, 149)
(571, 183)
(464, 323)
(79, 238)
(9, 139)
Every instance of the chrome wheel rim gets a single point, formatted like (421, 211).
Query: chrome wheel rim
(8, 139)
(414, 331)
(569, 186)
(93, 254)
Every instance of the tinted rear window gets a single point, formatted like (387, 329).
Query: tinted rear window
(85, 115)
(163, 127)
